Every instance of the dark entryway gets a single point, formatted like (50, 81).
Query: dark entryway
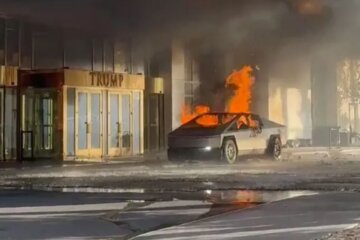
(155, 131)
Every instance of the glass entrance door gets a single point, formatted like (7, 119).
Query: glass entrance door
(155, 122)
(39, 123)
(119, 125)
(88, 124)
(9, 123)
(2, 142)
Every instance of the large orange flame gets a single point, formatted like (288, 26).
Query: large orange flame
(241, 82)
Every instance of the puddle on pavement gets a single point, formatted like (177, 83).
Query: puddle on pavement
(165, 209)
(220, 197)
(251, 197)
(220, 201)
(206, 203)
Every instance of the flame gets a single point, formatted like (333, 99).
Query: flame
(187, 114)
(208, 120)
(241, 82)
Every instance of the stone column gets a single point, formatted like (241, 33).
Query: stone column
(178, 75)
(290, 93)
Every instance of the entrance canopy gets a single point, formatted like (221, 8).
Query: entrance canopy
(80, 78)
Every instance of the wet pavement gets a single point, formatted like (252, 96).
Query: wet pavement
(306, 217)
(254, 174)
(127, 199)
(208, 215)
(52, 215)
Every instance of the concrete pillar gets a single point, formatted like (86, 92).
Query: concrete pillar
(324, 102)
(290, 93)
(324, 94)
(178, 74)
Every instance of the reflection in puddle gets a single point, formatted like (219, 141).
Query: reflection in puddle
(219, 197)
(251, 197)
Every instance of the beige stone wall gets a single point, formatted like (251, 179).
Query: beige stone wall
(290, 94)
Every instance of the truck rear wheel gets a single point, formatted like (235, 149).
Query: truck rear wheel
(275, 148)
(229, 151)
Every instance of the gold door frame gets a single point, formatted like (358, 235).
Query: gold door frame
(89, 152)
(119, 151)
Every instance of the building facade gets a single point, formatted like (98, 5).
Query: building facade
(67, 94)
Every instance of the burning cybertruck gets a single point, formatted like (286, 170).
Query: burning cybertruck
(225, 136)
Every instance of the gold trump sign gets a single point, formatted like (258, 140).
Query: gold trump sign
(103, 79)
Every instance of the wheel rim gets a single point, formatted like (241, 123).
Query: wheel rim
(277, 149)
(230, 152)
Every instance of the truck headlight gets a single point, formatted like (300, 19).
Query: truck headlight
(207, 148)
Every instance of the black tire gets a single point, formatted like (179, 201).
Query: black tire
(275, 148)
(229, 151)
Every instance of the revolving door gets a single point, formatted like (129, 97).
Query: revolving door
(39, 136)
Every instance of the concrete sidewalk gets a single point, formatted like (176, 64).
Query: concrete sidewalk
(312, 173)
(289, 154)
(162, 156)
(321, 153)
(308, 217)
(151, 158)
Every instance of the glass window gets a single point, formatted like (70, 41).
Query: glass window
(210, 120)
(2, 41)
(242, 123)
(26, 45)
(98, 55)
(12, 42)
(82, 120)
(109, 56)
(125, 121)
(48, 50)
(78, 53)
(10, 116)
(1, 123)
(95, 120)
(114, 120)
(136, 123)
(47, 123)
(71, 122)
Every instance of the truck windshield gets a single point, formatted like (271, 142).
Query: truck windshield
(210, 120)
